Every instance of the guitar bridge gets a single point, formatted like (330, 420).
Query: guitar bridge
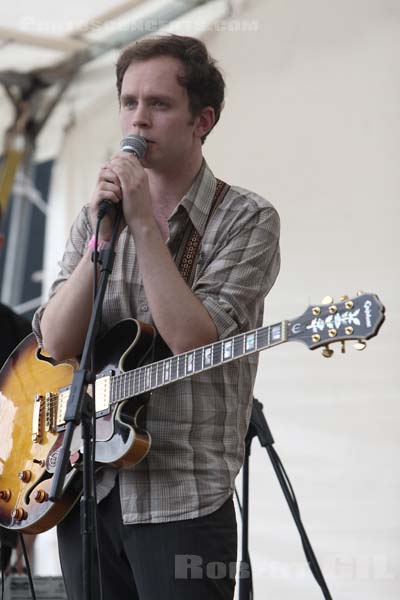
(37, 419)
(50, 412)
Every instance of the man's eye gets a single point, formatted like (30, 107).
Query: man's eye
(130, 103)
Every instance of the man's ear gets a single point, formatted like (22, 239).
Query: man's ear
(205, 121)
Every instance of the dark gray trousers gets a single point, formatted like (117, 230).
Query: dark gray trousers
(194, 559)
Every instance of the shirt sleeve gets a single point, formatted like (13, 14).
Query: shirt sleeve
(80, 234)
(233, 278)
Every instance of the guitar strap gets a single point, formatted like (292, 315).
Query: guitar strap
(186, 259)
(190, 245)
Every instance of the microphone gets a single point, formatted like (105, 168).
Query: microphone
(134, 144)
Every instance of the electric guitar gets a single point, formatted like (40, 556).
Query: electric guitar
(34, 391)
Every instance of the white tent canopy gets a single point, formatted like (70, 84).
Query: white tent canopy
(42, 41)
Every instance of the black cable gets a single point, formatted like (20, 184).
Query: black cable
(251, 590)
(291, 499)
(96, 262)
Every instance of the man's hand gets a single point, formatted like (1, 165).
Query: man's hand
(107, 188)
(134, 186)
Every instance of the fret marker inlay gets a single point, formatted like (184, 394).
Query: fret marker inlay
(207, 356)
(250, 342)
(228, 347)
(276, 333)
(190, 362)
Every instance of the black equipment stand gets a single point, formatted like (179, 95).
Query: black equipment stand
(259, 427)
(81, 409)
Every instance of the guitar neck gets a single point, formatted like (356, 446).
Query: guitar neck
(156, 375)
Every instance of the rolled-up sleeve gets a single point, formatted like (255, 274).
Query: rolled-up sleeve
(236, 273)
(75, 248)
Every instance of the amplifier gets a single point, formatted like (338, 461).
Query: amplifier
(46, 588)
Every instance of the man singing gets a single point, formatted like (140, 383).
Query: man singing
(177, 503)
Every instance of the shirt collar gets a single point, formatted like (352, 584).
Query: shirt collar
(198, 200)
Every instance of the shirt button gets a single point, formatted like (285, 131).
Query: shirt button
(144, 307)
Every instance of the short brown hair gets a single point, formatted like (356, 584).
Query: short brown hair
(202, 80)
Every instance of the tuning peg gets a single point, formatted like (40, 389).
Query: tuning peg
(343, 347)
(327, 352)
(344, 298)
(360, 345)
(327, 300)
(360, 293)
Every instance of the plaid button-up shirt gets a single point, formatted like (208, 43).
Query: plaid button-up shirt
(198, 425)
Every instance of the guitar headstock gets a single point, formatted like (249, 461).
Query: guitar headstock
(321, 325)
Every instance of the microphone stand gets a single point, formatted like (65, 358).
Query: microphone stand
(259, 427)
(81, 409)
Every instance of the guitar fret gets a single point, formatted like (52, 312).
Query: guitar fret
(155, 375)
(147, 378)
(250, 342)
(135, 382)
(217, 346)
(227, 350)
(141, 380)
(119, 384)
(174, 368)
(125, 382)
(198, 360)
(167, 370)
(181, 366)
(238, 345)
(276, 333)
(112, 388)
(160, 379)
(189, 363)
(207, 356)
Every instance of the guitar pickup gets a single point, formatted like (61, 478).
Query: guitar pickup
(103, 394)
(103, 385)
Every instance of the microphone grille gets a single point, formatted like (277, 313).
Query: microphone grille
(134, 144)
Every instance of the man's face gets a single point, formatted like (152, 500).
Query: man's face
(155, 106)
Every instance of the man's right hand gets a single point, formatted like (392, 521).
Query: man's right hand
(107, 188)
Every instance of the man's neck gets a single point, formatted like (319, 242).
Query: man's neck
(168, 188)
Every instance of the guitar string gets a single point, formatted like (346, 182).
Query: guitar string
(128, 378)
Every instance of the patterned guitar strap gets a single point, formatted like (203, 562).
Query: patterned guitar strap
(188, 253)
(187, 256)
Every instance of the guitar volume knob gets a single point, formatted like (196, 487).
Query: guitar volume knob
(41, 496)
(5, 495)
(19, 514)
(25, 476)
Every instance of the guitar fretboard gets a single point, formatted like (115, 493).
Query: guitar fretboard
(158, 374)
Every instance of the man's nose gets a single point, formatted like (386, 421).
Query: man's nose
(141, 116)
